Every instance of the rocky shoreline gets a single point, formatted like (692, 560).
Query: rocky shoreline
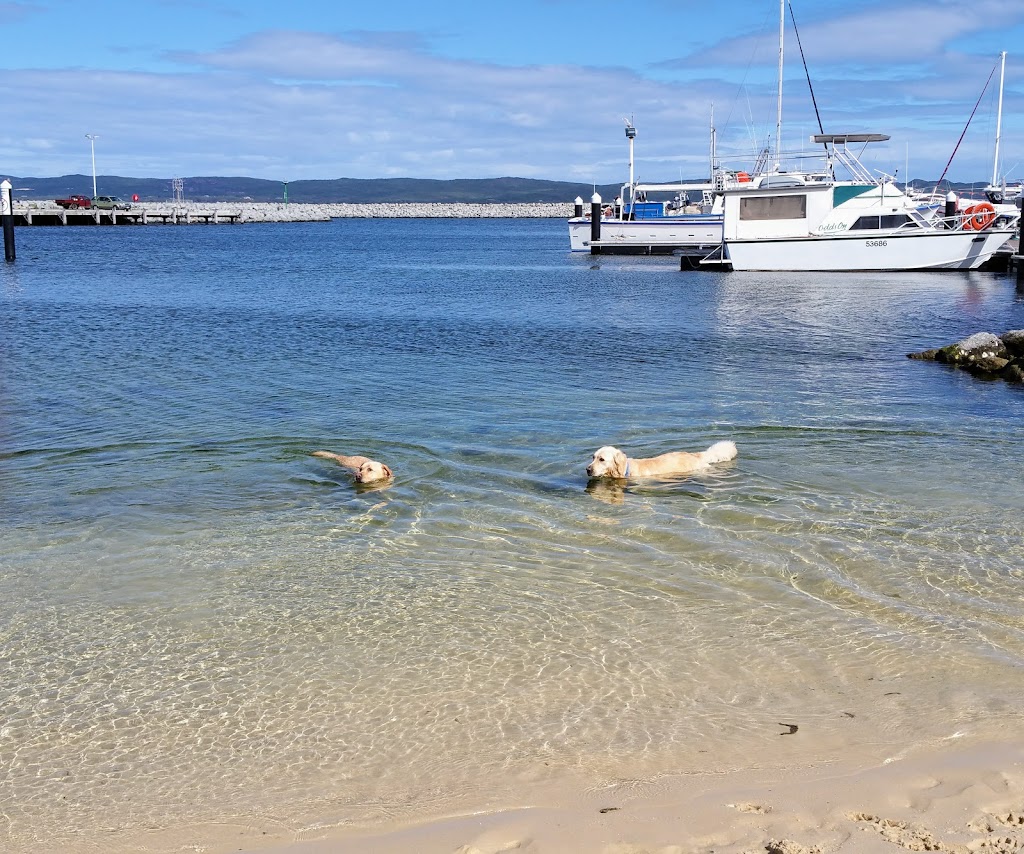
(983, 354)
(299, 212)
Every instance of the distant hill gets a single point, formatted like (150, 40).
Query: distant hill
(212, 189)
(464, 190)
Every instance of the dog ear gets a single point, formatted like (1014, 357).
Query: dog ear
(620, 463)
(387, 471)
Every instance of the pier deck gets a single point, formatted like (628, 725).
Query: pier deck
(135, 216)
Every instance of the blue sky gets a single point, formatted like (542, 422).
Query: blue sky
(454, 89)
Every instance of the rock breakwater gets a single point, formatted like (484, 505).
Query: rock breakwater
(983, 354)
(299, 212)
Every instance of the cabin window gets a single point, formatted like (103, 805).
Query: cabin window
(873, 223)
(774, 207)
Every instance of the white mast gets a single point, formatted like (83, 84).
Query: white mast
(778, 122)
(999, 119)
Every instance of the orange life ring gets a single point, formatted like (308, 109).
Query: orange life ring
(742, 177)
(979, 217)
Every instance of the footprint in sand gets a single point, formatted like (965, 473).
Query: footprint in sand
(994, 826)
(788, 846)
(900, 832)
(755, 808)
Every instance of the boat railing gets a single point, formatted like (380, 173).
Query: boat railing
(834, 160)
(958, 222)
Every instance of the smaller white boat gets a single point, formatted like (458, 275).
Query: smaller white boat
(653, 219)
(650, 227)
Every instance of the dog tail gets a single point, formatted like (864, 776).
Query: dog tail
(326, 455)
(719, 452)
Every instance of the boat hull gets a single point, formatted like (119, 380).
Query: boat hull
(697, 233)
(928, 250)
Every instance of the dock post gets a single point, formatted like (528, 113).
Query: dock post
(949, 212)
(577, 208)
(595, 223)
(7, 214)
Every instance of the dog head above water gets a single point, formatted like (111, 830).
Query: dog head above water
(371, 470)
(607, 462)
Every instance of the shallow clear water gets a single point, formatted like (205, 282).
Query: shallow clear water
(199, 620)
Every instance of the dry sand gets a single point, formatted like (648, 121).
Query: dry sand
(955, 798)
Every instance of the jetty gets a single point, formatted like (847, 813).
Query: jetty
(137, 215)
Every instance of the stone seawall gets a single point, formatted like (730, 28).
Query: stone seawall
(405, 210)
(411, 210)
(299, 212)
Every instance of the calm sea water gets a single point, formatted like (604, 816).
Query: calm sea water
(200, 622)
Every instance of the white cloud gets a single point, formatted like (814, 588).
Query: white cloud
(294, 105)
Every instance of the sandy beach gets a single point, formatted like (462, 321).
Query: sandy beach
(954, 798)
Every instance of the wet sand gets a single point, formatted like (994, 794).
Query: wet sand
(952, 798)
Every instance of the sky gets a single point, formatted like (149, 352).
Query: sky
(321, 89)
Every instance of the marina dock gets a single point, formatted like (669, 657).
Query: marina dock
(138, 215)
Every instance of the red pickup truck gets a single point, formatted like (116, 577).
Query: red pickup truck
(75, 201)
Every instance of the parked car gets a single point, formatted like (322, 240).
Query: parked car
(75, 201)
(111, 203)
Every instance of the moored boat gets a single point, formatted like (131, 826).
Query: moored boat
(653, 218)
(650, 228)
(813, 222)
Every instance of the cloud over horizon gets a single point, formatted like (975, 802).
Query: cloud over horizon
(292, 103)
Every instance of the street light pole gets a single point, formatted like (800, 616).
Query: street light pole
(92, 144)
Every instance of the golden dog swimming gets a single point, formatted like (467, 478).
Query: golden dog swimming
(611, 462)
(364, 469)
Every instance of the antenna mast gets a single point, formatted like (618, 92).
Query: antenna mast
(630, 135)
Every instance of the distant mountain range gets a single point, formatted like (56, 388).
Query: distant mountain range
(204, 189)
(465, 190)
